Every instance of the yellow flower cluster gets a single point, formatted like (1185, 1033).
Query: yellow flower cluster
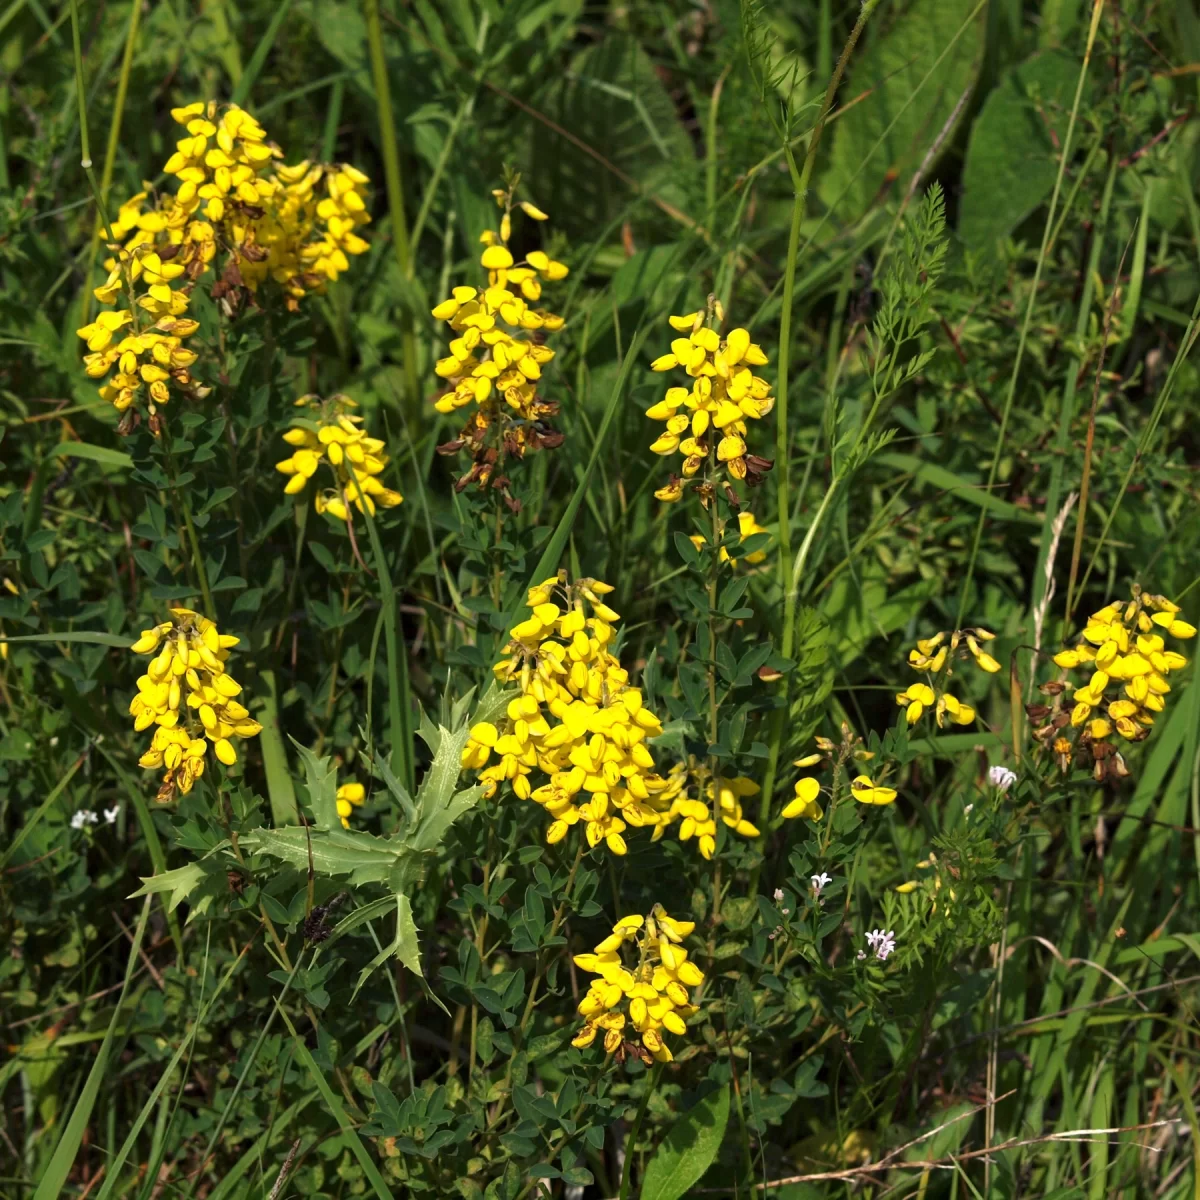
(1122, 647)
(649, 998)
(190, 697)
(295, 225)
(937, 657)
(349, 797)
(576, 720)
(148, 355)
(724, 394)
(498, 349)
(693, 795)
(333, 436)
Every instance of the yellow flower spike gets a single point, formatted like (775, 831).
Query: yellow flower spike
(649, 996)
(908, 886)
(210, 715)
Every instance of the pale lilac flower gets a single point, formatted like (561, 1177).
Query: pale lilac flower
(778, 895)
(882, 942)
(819, 882)
(1002, 778)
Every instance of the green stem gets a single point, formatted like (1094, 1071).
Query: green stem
(1097, 10)
(635, 1129)
(800, 181)
(110, 154)
(395, 192)
(789, 634)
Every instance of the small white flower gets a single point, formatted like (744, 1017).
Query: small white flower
(83, 817)
(819, 882)
(861, 955)
(110, 814)
(882, 941)
(778, 895)
(1001, 777)
(967, 810)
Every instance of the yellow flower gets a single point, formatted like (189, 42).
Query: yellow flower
(190, 698)
(498, 351)
(866, 792)
(355, 460)
(723, 395)
(349, 797)
(938, 656)
(576, 722)
(1122, 649)
(805, 804)
(643, 999)
(271, 221)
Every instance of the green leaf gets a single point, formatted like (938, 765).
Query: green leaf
(1012, 160)
(915, 73)
(280, 790)
(362, 856)
(688, 1150)
(116, 460)
(118, 640)
(180, 882)
(958, 488)
(404, 946)
(813, 679)
(321, 779)
(54, 1176)
(438, 804)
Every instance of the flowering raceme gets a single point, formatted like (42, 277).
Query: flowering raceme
(294, 225)
(332, 436)
(648, 998)
(706, 422)
(576, 721)
(937, 656)
(1122, 647)
(190, 698)
(497, 352)
(693, 793)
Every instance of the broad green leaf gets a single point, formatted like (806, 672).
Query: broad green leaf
(915, 73)
(116, 460)
(121, 641)
(438, 804)
(362, 856)
(958, 488)
(611, 98)
(280, 790)
(1012, 159)
(688, 1150)
(403, 946)
(180, 883)
(321, 779)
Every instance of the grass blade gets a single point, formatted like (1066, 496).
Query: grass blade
(335, 1106)
(63, 1158)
